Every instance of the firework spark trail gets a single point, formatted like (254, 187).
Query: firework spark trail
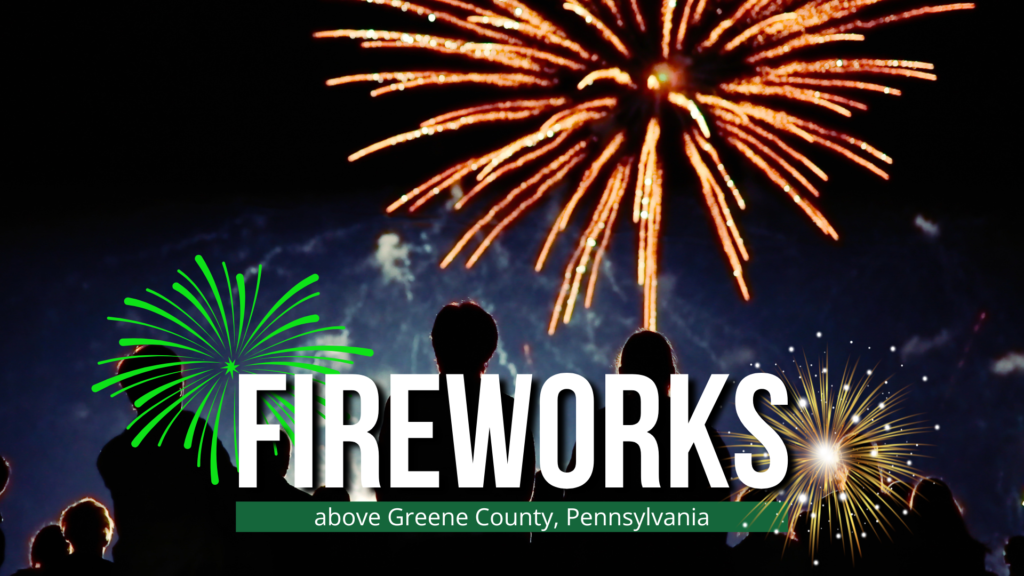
(215, 349)
(847, 443)
(659, 68)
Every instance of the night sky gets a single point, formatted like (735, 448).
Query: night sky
(142, 134)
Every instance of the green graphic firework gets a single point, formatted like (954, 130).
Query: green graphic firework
(215, 343)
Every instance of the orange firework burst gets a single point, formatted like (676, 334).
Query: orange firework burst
(708, 74)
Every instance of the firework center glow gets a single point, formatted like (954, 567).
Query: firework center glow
(828, 454)
(664, 77)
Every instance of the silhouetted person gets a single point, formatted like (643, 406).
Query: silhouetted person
(898, 494)
(272, 461)
(48, 553)
(650, 354)
(170, 518)
(1013, 555)
(882, 528)
(266, 553)
(941, 543)
(87, 526)
(320, 545)
(5, 474)
(464, 337)
(769, 553)
(543, 491)
(325, 494)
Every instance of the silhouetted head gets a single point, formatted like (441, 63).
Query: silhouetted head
(48, 548)
(5, 474)
(933, 499)
(648, 354)
(269, 464)
(138, 385)
(1013, 554)
(87, 525)
(900, 491)
(464, 338)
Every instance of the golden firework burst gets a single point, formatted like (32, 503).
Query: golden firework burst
(847, 445)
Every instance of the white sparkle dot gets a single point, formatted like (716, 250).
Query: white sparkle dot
(819, 334)
(856, 418)
(839, 536)
(757, 364)
(892, 348)
(744, 524)
(869, 372)
(815, 562)
(863, 534)
(803, 403)
(790, 348)
(936, 426)
(881, 405)
(904, 511)
(802, 498)
(924, 378)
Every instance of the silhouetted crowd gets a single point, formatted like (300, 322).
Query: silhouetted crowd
(171, 520)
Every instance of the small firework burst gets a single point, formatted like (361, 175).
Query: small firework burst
(215, 344)
(847, 445)
(611, 91)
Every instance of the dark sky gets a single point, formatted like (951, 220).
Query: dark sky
(141, 133)
(226, 99)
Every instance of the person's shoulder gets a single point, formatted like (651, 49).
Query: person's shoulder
(112, 450)
(118, 447)
(508, 404)
(185, 418)
(507, 401)
(77, 564)
(117, 442)
(124, 439)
